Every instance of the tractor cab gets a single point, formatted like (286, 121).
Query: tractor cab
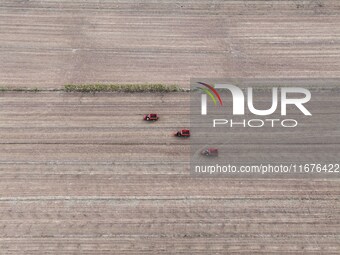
(151, 117)
(183, 133)
(210, 152)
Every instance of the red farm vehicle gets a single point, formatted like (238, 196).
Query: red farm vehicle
(183, 133)
(151, 117)
(210, 152)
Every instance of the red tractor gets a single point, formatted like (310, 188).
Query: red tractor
(183, 133)
(210, 152)
(150, 117)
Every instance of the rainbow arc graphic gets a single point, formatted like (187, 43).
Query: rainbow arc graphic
(211, 91)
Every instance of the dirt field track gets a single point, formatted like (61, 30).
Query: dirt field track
(83, 174)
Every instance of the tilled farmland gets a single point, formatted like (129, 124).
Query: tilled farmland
(46, 44)
(83, 173)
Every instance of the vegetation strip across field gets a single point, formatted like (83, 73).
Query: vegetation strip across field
(129, 88)
(122, 88)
